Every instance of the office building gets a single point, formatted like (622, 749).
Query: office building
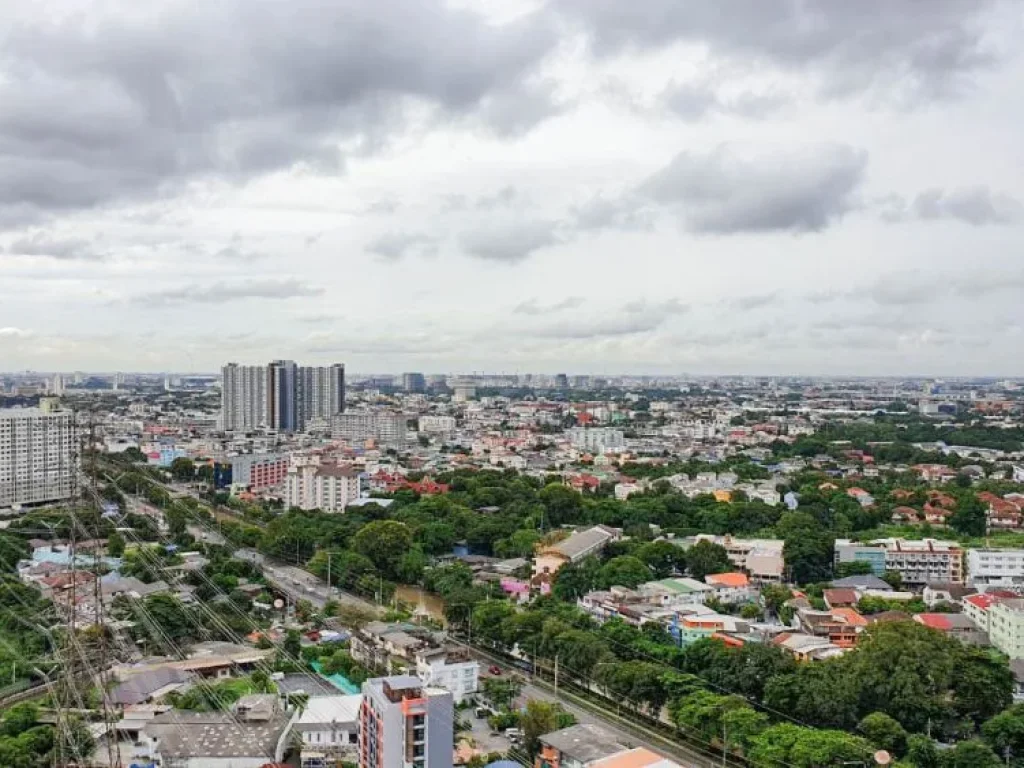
(597, 439)
(327, 487)
(404, 724)
(414, 382)
(282, 395)
(561, 381)
(37, 455)
(357, 428)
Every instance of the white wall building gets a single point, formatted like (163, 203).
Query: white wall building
(437, 424)
(597, 440)
(37, 455)
(328, 728)
(327, 487)
(437, 667)
(995, 567)
(386, 428)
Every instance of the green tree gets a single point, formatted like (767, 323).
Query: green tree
(623, 571)
(384, 542)
(1006, 730)
(411, 565)
(706, 557)
(973, 753)
(115, 544)
(662, 557)
(816, 747)
(921, 751)
(292, 645)
(183, 469)
(539, 718)
(884, 732)
(574, 580)
(740, 726)
(969, 517)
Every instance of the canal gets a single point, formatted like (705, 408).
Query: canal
(422, 603)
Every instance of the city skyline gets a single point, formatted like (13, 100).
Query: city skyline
(594, 193)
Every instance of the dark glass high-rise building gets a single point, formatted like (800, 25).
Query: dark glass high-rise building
(414, 382)
(282, 395)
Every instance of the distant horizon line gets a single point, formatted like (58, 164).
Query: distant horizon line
(482, 374)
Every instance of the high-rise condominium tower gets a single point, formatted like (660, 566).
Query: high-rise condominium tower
(282, 395)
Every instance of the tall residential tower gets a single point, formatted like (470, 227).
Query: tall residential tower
(282, 395)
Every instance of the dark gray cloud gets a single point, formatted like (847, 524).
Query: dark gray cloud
(106, 105)
(728, 192)
(221, 293)
(977, 206)
(394, 246)
(534, 307)
(926, 48)
(63, 249)
(510, 243)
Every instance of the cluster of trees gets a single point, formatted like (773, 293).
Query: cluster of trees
(25, 742)
(901, 672)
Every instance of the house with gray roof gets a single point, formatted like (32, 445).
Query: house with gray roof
(201, 739)
(578, 746)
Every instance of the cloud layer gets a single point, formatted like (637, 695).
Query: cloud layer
(711, 186)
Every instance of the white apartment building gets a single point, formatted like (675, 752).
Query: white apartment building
(439, 668)
(37, 455)
(437, 424)
(1006, 627)
(243, 397)
(386, 428)
(995, 567)
(761, 559)
(597, 439)
(327, 487)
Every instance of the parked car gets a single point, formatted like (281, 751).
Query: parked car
(494, 669)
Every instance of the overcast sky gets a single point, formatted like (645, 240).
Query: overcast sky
(652, 186)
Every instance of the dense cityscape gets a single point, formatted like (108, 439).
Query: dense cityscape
(280, 563)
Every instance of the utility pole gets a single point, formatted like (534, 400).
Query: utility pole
(329, 573)
(725, 743)
(556, 675)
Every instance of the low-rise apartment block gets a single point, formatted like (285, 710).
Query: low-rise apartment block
(1006, 627)
(995, 567)
(919, 562)
(327, 487)
(761, 559)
